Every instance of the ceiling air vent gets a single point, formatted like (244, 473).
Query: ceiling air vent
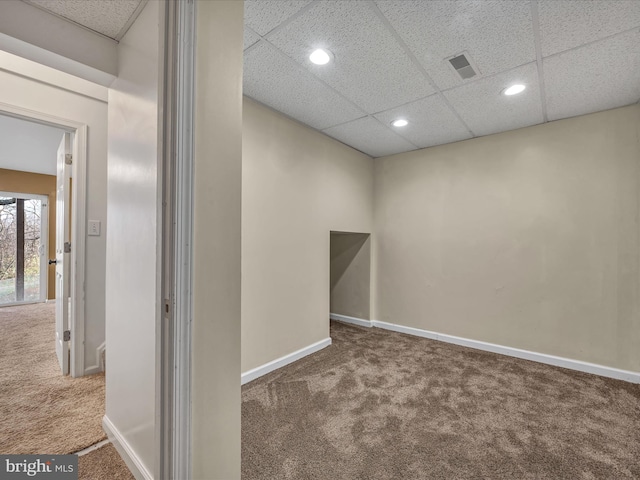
(460, 64)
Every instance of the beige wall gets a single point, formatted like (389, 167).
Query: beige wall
(297, 186)
(216, 254)
(527, 238)
(350, 276)
(36, 183)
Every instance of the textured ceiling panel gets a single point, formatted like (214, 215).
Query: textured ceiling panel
(565, 25)
(497, 34)
(596, 77)
(371, 137)
(386, 51)
(485, 110)
(431, 122)
(370, 67)
(280, 83)
(264, 15)
(250, 37)
(106, 17)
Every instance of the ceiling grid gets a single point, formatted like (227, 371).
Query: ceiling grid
(573, 57)
(364, 118)
(306, 71)
(260, 76)
(536, 34)
(416, 62)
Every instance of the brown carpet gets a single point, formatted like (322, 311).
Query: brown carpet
(383, 405)
(40, 410)
(103, 464)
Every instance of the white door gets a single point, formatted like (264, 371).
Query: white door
(63, 249)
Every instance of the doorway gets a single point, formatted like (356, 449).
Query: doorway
(350, 277)
(26, 134)
(40, 407)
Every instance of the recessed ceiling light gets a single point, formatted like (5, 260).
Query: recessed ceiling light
(401, 122)
(320, 57)
(514, 89)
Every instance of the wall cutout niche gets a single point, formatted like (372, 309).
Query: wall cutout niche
(350, 274)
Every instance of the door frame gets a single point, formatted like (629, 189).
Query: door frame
(176, 86)
(44, 227)
(78, 222)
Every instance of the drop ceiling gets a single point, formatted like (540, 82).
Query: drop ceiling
(111, 18)
(391, 61)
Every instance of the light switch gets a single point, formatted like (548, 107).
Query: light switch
(94, 228)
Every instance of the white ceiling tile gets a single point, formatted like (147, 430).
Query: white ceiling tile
(486, 110)
(373, 71)
(107, 18)
(370, 67)
(599, 76)
(565, 25)
(431, 122)
(280, 83)
(370, 136)
(498, 34)
(250, 37)
(264, 15)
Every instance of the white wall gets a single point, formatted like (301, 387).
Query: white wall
(527, 239)
(297, 186)
(49, 93)
(50, 76)
(132, 242)
(28, 146)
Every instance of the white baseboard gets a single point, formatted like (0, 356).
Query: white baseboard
(100, 366)
(626, 375)
(126, 452)
(93, 369)
(100, 355)
(353, 320)
(282, 361)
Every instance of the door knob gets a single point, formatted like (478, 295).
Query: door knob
(53, 261)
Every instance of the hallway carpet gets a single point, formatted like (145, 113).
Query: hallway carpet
(382, 405)
(40, 410)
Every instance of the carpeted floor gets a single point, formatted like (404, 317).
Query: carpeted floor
(103, 464)
(383, 405)
(40, 410)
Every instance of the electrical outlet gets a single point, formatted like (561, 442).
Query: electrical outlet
(94, 228)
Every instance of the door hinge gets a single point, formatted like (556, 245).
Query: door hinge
(66, 335)
(68, 158)
(67, 247)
